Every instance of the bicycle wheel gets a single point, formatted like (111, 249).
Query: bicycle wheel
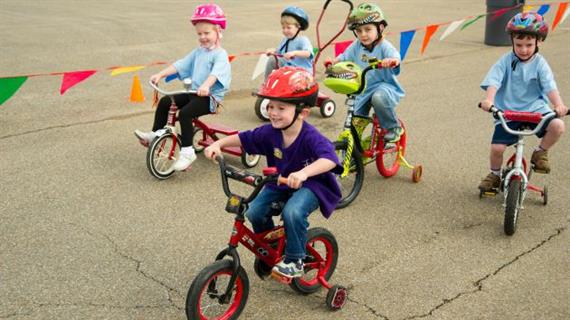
(322, 256)
(198, 136)
(161, 155)
(203, 300)
(351, 184)
(387, 160)
(261, 109)
(514, 194)
(327, 108)
(249, 160)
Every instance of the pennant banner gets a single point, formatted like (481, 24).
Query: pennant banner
(405, 40)
(452, 27)
(430, 30)
(561, 12)
(470, 22)
(121, 70)
(9, 86)
(339, 47)
(70, 79)
(543, 9)
(565, 15)
(260, 66)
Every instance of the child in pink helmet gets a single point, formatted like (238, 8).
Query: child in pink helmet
(209, 69)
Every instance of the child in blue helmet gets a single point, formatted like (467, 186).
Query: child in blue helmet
(383, 91)
(294, 49)
(522, 80)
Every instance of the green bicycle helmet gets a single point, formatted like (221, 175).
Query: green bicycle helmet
(366, 13)
(343, 77)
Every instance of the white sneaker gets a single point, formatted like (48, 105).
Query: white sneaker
(185, 159)
(145, 138)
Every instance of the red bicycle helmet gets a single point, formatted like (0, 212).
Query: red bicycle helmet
(290, 84)
(211, 13)
(530, 23)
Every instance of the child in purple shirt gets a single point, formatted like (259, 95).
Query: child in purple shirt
(300, 153)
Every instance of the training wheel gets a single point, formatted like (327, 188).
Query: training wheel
(545, 195)
(417, 173)
(336, 297)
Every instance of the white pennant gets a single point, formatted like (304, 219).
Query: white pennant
(260, 66)
(454, 25)
(564, 16)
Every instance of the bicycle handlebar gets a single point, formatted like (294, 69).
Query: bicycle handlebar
(171, 93)
(500, 115)
(249, 178)
(373, 63)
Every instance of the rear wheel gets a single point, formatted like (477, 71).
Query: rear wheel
(387, 161)
(327, 108)
(261, 109)
(198, 136)
(322, 256)
(249, 160)
(204, 300)
(161, 155)
(512, 208)
(351, 184)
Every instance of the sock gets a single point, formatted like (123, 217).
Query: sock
(187, 150)
(539, 148)
(288, 260)
(496, 172)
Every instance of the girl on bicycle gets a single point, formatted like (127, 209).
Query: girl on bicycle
(522, 80)
(300, 152)
(209, 69)
(383, 91)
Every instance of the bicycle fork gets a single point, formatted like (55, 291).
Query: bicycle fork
(516, 173)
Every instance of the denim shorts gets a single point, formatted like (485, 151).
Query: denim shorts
(500, 136)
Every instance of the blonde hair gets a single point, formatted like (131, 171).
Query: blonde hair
(290, 20)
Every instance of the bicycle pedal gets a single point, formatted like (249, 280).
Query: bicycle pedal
(281, 278)
(541, 171)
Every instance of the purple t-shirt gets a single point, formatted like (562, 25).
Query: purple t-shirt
(309, 146)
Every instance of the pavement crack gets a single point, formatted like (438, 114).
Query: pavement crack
(138, 263)
(479, 283)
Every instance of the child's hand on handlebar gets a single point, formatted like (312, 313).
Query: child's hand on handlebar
(296, 179)
(289, 55)
(390, 63)
(485, 105)
(561, 110)
(328, 62)
(270, 51)
(212, 151)
(203, 90)
(155, 78)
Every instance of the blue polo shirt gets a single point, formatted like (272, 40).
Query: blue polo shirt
(301, 43)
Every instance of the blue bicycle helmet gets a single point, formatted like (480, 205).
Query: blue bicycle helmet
(299, 14)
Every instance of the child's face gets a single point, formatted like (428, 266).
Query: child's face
(280, 113)
(207, 34)
(525, 47)
(289, 30)
(367, 33)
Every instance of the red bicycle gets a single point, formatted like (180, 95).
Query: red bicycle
(221, 289)
(163, 150)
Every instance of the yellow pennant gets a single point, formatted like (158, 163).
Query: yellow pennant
(121, 70)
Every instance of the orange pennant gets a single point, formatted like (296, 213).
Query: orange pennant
(136, 91)
(430, 30)
(231, 58)
(561, 10)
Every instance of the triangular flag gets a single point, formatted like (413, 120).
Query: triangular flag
(315, 51)
(451, 28)
(499, 13)
(9, 86)
(559, 14)
(405, 40)
(121, 70)
(231, 58)
(340, 47)
(260, 66)
(527, 8)
(72, 78)
(543, 9)
(470, 22)
(136, 91)
(430, 30)
(565, 15)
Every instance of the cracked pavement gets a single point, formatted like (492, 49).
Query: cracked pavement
(87, 233)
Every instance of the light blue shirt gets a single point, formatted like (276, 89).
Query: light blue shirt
(300, 43)
(523, 89)
(201, 63)
(382, 79)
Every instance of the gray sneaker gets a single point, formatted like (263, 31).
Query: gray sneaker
(289, 270)
(393, 135)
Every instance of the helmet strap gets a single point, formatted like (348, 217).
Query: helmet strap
(298, 109)
(375, 42)
(518, 59)
(286, 44)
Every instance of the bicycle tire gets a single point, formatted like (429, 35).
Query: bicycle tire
(512, 208)
(161, 155)
(207, 285)
(350, 185)
(260, 108)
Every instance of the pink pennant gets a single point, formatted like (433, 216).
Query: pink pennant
(561, 10)
(70, 79)
(339, 47)
(430, 30)
(499, 13)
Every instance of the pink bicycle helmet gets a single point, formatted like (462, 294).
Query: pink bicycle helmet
(528, 23)
(211, 13)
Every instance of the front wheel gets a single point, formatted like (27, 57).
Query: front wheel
(387, 162)
(205, 296)
(513, 205)
(261, 108)
(350, 184)
(249, 160)
(161, 155)
(322, 256)
(327, 108)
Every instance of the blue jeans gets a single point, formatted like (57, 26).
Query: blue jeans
(299, 205)
(384, 108)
